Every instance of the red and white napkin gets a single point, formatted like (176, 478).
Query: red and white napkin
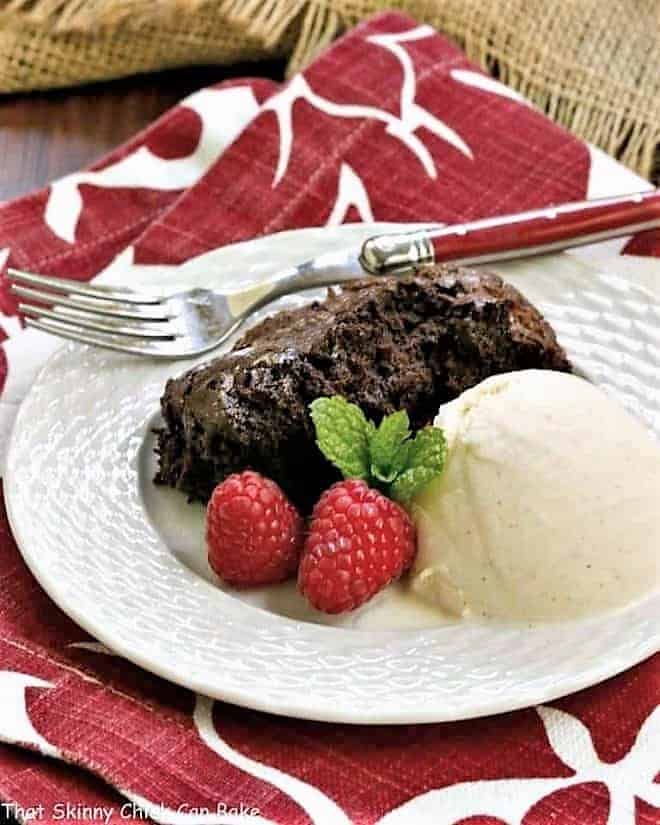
(391, 123)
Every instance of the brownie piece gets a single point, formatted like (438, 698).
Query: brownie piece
(386, 344)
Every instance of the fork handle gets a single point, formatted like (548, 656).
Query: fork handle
(550, 229)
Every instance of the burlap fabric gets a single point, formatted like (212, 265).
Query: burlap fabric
(591, 65)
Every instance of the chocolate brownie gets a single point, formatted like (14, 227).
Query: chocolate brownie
(386, 344)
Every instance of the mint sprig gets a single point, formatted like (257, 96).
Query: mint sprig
(388, 456)
(343, 434)
(426, 460)
(389, 447)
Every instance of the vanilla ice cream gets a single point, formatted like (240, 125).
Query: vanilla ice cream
(548, 507)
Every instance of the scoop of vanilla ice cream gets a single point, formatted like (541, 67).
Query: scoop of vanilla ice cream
(548, 507)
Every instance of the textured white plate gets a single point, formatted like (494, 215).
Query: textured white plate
(127, 562)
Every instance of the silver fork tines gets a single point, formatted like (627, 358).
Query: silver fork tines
(157, 332)
(181, 325)
(67, 287)
(92, 306)
(100, 315)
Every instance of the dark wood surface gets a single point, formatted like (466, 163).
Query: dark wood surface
(46, 135)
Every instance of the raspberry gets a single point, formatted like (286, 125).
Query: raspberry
(359, 541)
(254, 534)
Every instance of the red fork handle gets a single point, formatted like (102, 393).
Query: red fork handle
(512, 236)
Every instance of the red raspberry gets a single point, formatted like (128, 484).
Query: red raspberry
(359, 541)
(254, 534)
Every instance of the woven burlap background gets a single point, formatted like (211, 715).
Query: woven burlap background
(591, 65)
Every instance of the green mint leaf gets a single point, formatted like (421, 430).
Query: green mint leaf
(426, 460)
(389, 447)
(342, 434)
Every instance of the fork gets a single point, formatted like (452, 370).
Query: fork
(176, 326)
(198, 320)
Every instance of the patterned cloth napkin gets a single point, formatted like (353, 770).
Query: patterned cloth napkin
(391, 123)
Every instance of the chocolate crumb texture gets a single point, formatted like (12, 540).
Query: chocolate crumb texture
(386, 344)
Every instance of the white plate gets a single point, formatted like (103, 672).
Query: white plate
(127, 561)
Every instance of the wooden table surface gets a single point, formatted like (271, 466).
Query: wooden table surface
(46, 135)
